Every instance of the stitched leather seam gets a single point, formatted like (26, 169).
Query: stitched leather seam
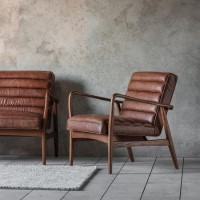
(101, 125)
(134, 125)
(140, 111)
(15, 118)
(137, 90)
(86, 122)
(147, 81)
(144, 91)
(164, 88)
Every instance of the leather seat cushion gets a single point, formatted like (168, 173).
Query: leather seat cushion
(99, 124)
(10, 119)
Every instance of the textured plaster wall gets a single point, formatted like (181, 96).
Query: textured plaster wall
(94, 46)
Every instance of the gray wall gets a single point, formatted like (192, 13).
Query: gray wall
(94, 46)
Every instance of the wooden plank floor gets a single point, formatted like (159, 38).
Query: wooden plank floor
(145, 179)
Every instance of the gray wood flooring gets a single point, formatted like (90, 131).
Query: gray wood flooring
(144, 179)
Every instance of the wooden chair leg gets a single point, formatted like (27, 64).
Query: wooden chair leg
(55, 119)
(173, 154)
(110, 158)
(71, 149)
(130, 154)
(169, 138)
(56, 144)
(171, 147)
(44, 148)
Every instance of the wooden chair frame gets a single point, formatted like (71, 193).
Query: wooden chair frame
(121, 141)
(40, 133)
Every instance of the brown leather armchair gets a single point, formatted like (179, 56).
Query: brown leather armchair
(142, 113)
(27, 106)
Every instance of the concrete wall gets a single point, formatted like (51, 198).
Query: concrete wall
(94, 46)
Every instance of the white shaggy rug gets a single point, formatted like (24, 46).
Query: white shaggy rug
(44, 177)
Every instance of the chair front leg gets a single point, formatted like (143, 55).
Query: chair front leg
(43, 148)
(43, 138)
(110, 134)
(71, 149)
(110, 151)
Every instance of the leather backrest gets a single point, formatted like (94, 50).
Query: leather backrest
(152, 86)
(25, 90)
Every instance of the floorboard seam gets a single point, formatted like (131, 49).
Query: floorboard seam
(64, 195)
(148, 179)
(26, 195)
(181, 179)
(114, 179)
(98, 160)
(93, 164)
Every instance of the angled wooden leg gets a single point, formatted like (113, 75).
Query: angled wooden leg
(71, 149)
(130, 154)
(173, 154)
(43, 148)
(169, 137)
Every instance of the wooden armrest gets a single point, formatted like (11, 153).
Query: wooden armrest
(75, 93)
(117, 95)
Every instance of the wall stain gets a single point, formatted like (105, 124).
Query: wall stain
(122, 17)
(44, 49)
(94, 45)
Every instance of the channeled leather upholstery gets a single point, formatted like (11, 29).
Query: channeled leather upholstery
(152, 86)
(20, 120)
(22, 98)
(135, 119)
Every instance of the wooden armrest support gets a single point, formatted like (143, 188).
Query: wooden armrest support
(46, 105)
(117, 95)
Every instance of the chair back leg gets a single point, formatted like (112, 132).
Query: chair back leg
(56, 144)
(56, 136)
(130, 154)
